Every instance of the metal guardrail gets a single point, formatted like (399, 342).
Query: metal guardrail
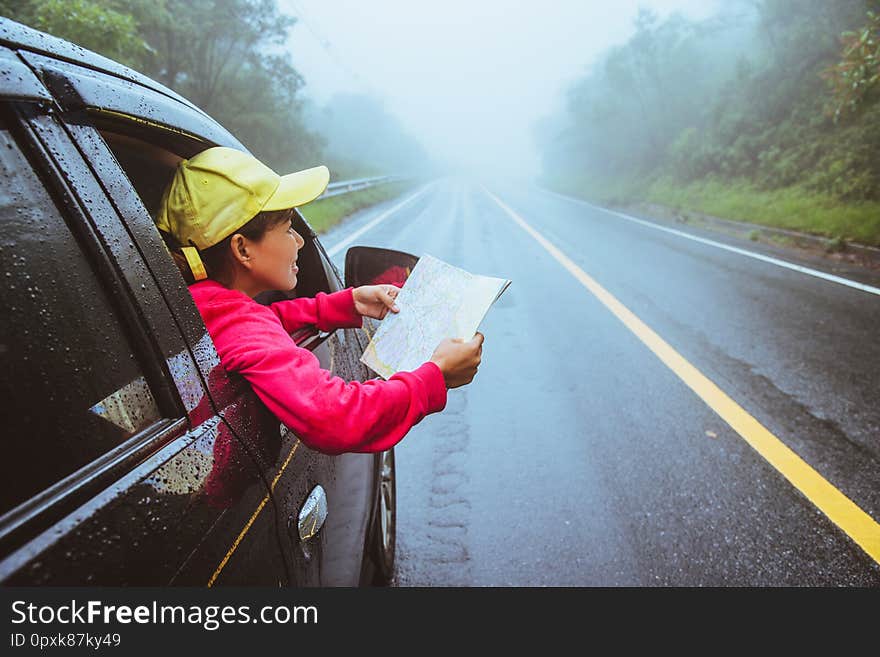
(346, 186)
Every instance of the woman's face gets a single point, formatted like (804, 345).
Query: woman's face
(273, 258)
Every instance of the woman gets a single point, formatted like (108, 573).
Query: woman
(230, 219)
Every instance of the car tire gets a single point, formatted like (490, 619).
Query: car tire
(382, 544)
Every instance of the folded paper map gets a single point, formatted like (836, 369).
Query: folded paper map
(437, 301)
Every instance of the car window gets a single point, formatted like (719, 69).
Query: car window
(149, 164)
(72, 387)
(149, 167)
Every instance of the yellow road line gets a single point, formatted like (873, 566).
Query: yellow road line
(250, 522)
(842, 511)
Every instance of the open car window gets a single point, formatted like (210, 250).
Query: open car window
(149, 167)
(149, 162)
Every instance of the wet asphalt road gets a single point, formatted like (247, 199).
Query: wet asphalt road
(576, 457)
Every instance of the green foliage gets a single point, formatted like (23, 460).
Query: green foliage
(226, 56)
(326, 213)
(836, 245)
(735, 103)
(99, 26)
(221, 55)
(794, 208)
(858, 72)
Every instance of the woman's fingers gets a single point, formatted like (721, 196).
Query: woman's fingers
(387, 295)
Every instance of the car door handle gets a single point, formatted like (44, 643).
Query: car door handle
(312, 514)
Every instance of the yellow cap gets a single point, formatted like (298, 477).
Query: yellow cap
(218, 191)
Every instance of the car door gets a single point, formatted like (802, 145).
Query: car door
(349, 480)
(133, 154)
(111, 474)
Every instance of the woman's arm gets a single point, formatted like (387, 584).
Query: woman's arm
(327, 413)
(326, 311)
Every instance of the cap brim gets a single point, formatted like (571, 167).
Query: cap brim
(299, 188)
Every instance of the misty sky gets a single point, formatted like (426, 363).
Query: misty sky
(467, 78)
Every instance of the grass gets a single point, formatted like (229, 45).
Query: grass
(793, 208)
(836, 245)
(781, 240)
(326, 213)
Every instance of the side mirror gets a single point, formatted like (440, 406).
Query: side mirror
(366, 265)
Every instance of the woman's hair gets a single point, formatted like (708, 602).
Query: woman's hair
(218, 259)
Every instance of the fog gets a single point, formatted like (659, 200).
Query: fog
(469, 80)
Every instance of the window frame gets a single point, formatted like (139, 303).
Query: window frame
(42, 143)
(84, 126)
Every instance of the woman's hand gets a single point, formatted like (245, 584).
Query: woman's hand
(375, 300)
(459, 360)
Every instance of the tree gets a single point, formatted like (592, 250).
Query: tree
(225, 56)
(857, 73)
(199, 46)
(94, 25)
(736, 97)
(363, 138)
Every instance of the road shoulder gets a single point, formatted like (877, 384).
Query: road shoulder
(861, 264)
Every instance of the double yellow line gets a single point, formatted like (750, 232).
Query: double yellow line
(842, 511)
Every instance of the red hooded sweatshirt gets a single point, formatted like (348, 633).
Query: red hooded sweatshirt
(327, 413)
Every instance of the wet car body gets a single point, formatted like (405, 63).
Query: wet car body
(131, 456)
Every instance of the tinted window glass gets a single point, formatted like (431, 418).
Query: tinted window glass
(71, 387)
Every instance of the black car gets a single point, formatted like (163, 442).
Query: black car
(130, 456)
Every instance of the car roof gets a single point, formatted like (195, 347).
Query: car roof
(21, 37)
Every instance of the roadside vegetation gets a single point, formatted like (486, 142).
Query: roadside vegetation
(768, 112)
(230, 58)
(792, 208)
(326, 213)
